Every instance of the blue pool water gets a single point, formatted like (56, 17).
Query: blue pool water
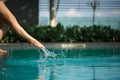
(69, 64)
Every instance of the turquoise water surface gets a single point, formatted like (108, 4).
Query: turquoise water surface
(69, 64)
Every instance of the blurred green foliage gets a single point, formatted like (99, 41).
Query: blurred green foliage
(96, 33)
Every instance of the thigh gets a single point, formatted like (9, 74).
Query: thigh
(5, 13)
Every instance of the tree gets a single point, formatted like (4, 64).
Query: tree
(94, 4)
(52, 11)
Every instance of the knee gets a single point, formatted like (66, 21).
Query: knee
(1, 34)
(3, 29)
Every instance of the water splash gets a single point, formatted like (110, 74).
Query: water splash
(47, 53)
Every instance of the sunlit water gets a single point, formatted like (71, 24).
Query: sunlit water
(66, 64)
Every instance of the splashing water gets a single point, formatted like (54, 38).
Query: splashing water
(44, 59)
(47, 53)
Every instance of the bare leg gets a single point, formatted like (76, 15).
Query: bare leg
(9, 17)
(3, 28)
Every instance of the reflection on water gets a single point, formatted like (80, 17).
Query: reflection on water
(69, 64)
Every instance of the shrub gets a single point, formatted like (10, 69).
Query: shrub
(96, 33)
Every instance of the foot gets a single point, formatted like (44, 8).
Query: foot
(2, 56)
(2, 52)
(37, 44)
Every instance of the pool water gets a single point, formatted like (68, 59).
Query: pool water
(69, 64)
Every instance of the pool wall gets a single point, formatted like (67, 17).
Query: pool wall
(60, 45)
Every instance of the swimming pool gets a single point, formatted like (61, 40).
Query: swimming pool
(90, 63)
